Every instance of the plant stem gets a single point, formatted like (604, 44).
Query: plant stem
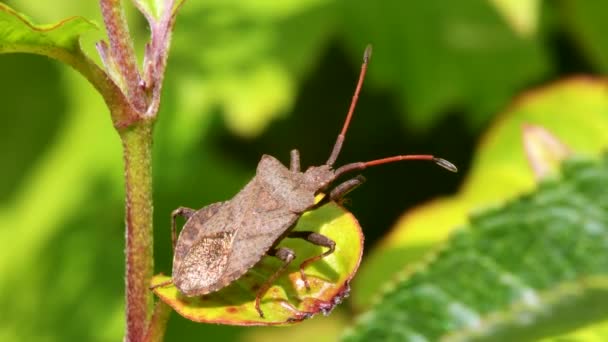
(158, 323)
(122, 51)
(137, 149)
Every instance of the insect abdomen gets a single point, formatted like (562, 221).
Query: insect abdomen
(214, 249)
(267, 221)
(204, 264)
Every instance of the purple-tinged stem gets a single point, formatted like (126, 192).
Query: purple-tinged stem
(137, 147)
(123, 53)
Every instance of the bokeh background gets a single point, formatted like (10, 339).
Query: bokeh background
(247, 77)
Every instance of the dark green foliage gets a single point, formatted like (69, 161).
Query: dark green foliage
(535, 267)
(246, 78)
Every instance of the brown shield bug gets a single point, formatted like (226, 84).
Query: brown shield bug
(222, 241)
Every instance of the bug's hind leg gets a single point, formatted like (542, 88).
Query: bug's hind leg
(316, 239)
(287, 256)
(183, 212)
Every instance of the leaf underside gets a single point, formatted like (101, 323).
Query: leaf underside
(536, 267)
(287, 300)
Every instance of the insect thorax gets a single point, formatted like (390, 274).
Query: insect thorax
(296, 189)
(318, 178)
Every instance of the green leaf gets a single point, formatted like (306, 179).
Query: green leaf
(536, 267)
(444, 55)
(153, 9)
(287, 301)
(252, 56)
(59, 40)
(587, 24)
(326, 329)
(432, 56)
(597, 332)
(75, 189)
(500, 171)
(522, 15)
(150, 8)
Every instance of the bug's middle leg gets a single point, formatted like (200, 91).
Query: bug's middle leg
(287, 256)
(316, 239)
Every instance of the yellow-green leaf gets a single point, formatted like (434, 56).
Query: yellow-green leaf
(287, 300)
(522, 15)
(535, 267)
(573, 110)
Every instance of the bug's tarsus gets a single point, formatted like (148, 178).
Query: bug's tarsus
(163, 284)
(340, 140)
(315, 239)
(183, 212)
(287, 256)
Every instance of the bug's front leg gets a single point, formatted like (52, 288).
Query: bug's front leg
(338, 192)
(345, 187)
(316, 239)
(183, 212)
(287, 256)
(294, 162)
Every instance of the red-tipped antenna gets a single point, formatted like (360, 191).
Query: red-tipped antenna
(340, 140)
(362, 165)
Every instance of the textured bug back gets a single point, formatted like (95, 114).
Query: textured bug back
(284, 185)
(204, 261)
(270, 220)
(202, 250)
(208, 257)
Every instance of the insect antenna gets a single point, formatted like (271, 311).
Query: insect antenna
(340, 140)
(362, 165)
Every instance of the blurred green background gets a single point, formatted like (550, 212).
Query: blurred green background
(246, 78)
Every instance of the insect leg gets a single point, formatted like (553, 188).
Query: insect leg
(345, 187)
(316, 239)
(338, 192)
(294, 163)
(183, 212)
(163, 284)
(286, 255)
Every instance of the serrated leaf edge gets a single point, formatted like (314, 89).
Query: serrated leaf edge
(45, 27)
